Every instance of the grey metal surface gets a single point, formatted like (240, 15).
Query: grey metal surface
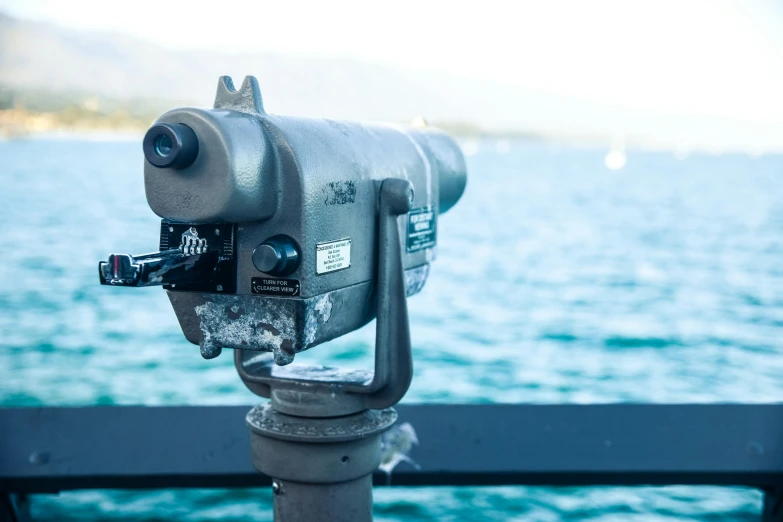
(283, 326)
(348, 309)
(265, 420)
(773, 505)
(51, 449)
(349, 501)
(315, 181)
(393, 358)
(321, 392)
(317, 434)
(317, 451)
(234, 178)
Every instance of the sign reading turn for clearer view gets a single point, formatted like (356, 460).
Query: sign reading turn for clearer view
(332, 256)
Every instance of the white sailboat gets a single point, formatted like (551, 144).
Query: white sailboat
(616, 158)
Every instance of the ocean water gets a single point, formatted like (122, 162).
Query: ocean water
(557, 281)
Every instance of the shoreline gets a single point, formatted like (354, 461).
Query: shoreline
(64, 134)
(16, 125)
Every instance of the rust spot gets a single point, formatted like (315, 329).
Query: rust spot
(268, 327)
(234, 313)
(340, 192)
(287, 346)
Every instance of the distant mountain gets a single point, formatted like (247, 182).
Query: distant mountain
(36, 55)
(44, 57)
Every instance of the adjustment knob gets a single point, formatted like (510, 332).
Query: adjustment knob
(277, 256)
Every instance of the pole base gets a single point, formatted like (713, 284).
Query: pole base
(349, 501)
(322, 467)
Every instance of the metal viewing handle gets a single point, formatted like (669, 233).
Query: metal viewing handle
(159, 268)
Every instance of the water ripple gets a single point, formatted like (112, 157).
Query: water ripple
(556, 281)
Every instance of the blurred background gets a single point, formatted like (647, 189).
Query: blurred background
(620, 238)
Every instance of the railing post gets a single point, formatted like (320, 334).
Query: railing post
(14, 508)
(773, 505)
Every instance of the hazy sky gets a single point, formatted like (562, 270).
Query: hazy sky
(721, 58)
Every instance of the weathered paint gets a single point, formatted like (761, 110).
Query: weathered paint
(415, 279)
(265, 324)
(318, 311)
(396, 444)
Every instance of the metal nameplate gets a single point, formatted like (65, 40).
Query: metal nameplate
(421, 229)
(332, 256)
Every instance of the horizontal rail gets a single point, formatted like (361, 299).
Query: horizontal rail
(56, 449)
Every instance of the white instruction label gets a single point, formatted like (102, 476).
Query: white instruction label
(332, 256)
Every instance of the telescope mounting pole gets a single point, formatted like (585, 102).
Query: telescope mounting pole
(319, 437)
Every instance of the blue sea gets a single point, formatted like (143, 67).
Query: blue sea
(557, 281)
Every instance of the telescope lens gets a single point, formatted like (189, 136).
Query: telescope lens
(170, 145)
(163, 145)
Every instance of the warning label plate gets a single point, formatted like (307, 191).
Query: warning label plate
(332, 256)
(275, 287)
(421, 229)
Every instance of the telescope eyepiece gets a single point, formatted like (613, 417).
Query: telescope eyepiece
(170, 145)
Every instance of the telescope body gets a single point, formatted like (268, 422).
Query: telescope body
(272, 221)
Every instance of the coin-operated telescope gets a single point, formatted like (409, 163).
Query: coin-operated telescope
(278, 234)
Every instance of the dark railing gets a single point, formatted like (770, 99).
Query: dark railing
(47, 450)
